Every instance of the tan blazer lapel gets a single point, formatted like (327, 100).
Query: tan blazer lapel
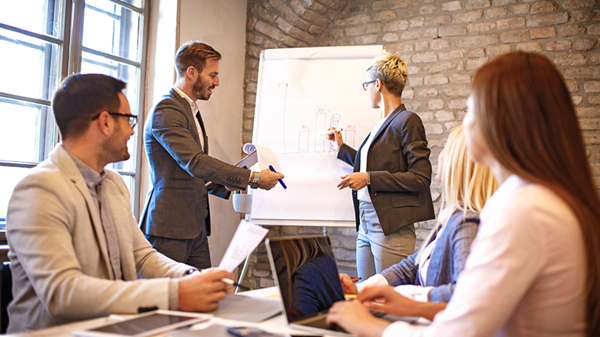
(64, 161)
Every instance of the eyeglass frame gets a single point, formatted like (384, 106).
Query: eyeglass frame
(132, 118)
(364, 84)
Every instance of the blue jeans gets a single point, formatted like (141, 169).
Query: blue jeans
(376, 251)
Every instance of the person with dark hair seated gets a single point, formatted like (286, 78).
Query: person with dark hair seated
(75, 249)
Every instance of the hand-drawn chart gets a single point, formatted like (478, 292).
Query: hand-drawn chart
(314, 139)
(302, 93)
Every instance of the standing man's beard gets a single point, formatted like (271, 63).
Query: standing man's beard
(198, 90)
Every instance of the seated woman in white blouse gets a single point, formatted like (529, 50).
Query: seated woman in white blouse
(430, 274)
(534, 267)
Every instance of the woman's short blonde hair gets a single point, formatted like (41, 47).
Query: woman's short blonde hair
(391, 70)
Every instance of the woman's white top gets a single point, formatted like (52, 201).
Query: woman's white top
(423, 264)
(525, 275)
(363, 193)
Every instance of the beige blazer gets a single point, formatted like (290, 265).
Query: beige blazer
(58, 251)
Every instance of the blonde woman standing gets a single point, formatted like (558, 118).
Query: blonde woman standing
(430, 274)
(392, 172)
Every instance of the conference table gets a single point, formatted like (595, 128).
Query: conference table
(275, 324)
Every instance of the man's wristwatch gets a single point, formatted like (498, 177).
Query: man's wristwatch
(255, 181)
(190, 271)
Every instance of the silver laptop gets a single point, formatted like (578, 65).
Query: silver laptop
(305, 271)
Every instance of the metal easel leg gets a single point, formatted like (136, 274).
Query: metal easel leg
(243, 273)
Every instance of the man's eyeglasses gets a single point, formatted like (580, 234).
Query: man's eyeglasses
(365, 84)
(132, 118)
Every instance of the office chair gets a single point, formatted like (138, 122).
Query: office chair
(5, 295)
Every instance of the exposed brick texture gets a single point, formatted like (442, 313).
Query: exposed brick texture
(444, 43)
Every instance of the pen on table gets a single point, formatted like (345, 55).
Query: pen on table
(230, 281)
(330, 132)
(280, 181)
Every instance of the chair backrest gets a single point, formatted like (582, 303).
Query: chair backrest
(5, 295)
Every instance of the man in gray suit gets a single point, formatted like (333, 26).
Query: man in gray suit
(176, 218)
(75, 249)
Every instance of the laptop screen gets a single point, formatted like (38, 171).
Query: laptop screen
(307, 275)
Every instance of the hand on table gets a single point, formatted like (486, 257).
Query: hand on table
(386, 299)
(356, 319)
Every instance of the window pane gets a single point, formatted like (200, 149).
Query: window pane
(136, 3)
(23, 128)
(28, 66)
(38, 16)
(9, 177)
(130, 182)
(112, 29)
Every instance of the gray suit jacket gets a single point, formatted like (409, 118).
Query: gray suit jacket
(400, 169)
(59, 260)
(177, 205)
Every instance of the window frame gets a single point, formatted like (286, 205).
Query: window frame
(70, 62)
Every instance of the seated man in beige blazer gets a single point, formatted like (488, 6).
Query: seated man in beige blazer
(76, 251)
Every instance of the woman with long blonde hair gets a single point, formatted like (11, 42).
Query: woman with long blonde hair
(534, 268)
(430, 274)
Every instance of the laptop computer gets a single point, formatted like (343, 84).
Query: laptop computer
(305, 271)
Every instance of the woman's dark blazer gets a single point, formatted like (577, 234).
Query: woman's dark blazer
(400, 169)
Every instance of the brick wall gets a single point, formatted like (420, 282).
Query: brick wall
(443, 43)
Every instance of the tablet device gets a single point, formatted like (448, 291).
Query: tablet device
(246, 162)
(146, 324)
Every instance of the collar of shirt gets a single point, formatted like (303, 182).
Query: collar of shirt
(193, 105)
(499, 197)
(91, 177)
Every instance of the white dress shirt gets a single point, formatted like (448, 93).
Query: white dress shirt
(525, 275)
(195, 110)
